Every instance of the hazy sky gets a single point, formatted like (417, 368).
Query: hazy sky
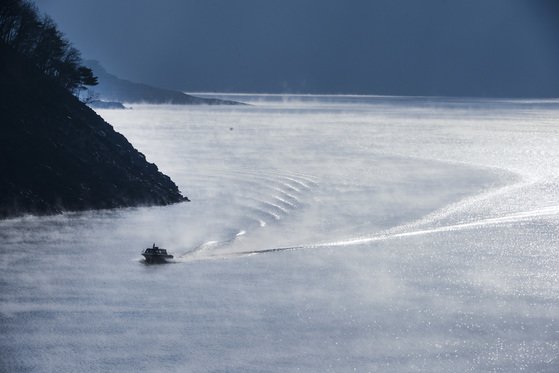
(503, 48)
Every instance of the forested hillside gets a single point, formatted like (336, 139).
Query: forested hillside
(56, 154)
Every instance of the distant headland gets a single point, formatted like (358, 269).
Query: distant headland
(114, 89)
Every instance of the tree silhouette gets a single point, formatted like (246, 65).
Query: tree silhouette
(38, 38)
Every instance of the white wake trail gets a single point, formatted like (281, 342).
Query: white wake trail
(513, 218)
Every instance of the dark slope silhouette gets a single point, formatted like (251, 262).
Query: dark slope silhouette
(56, 154)
(112, 88)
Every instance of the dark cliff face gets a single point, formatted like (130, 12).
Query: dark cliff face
(56, 154)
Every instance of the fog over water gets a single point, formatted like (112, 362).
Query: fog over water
(325, 233)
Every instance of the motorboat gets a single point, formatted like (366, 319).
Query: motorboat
(156, 254)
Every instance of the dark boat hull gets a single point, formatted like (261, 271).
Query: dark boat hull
(157, 258)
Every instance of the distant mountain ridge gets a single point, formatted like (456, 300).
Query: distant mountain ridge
(56, 154)
(112, 88)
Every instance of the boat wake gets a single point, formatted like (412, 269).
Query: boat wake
(274, 196)
(546, 212)
(264, 199)
(509, 219)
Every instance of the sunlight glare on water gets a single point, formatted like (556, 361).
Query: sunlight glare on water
(325, 233)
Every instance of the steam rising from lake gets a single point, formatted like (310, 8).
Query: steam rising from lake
(325, 233)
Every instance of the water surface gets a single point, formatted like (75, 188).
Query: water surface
(419, 235)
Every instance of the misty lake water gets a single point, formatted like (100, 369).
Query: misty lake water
(413, 235)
